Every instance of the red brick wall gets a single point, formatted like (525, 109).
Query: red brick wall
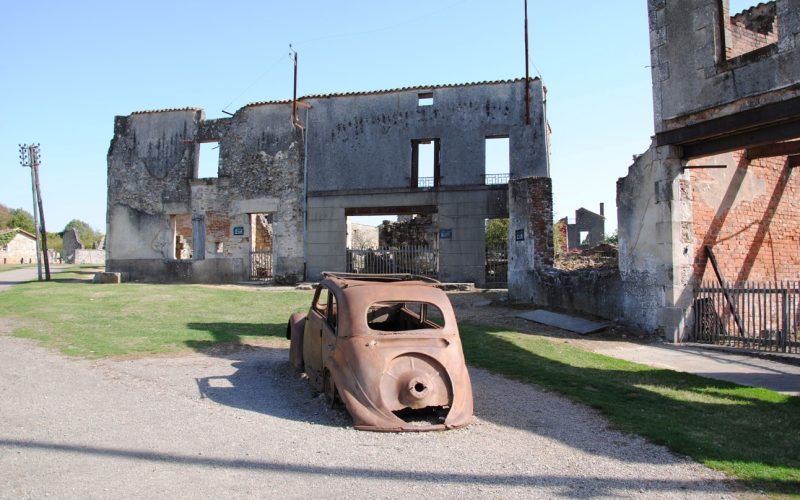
(541, 219)
(755, 229)
(747, 36)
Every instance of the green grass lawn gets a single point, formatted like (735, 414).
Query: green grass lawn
(83, 319)
(751, 434)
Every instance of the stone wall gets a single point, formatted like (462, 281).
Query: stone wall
(88, 256)
(354, 153)
(530, 228)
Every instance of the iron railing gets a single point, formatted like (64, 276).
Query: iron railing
(420, 260)
(261, 265)
(497, 266)
(425, 182)
(761, 316)
(492, 179)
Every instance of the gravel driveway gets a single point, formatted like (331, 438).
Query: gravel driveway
(242, 423)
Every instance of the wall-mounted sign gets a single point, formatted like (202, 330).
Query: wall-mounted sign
(445, 234)
(238, 230)
(519, 235)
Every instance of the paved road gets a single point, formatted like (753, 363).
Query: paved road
(9, 278)
(241, 423)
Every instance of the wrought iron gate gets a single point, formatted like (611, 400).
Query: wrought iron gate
(763, 316)
(496, 266)
(419, 260)
(261, 265)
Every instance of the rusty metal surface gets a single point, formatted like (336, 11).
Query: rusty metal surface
(389, 349)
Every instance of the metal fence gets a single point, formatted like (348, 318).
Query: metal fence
(420, 260)
(748, 315)
(261, 265)
(496, 266)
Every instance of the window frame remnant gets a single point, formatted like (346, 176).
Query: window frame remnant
(417, 182)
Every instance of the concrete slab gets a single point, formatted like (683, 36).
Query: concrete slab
(565, 322)
(738, 368)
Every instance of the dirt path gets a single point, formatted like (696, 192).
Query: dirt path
(241, 423)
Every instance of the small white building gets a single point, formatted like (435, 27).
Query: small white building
(17, 246)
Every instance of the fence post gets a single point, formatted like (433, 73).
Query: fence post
(785, 318)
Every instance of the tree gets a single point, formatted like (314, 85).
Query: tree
(5, 216)
(86, 234)
(22, 219)
(497, 232)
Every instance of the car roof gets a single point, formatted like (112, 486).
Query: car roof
(347, 280)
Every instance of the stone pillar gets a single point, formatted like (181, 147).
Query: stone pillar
(530, 234)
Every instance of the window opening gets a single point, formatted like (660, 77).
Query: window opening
(207, 161)
(425, 163)
(181, 236)
(748, 26)
(583, 237)
(332, 312)
(396, 316)
(425, 99)
(497, 160)
(321, 301)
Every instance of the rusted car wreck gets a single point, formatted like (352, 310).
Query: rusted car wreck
(388, 347)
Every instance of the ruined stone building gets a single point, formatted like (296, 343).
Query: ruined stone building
(588, 230)
(280, 202)
(719, 175)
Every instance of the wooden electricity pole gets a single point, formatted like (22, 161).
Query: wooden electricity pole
(31, 157)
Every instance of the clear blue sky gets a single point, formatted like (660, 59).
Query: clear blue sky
(70, 67)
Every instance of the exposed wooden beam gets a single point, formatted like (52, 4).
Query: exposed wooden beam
(777, 149)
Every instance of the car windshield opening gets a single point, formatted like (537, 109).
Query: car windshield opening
(401, 316)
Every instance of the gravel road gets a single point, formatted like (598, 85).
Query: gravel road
(239, 422)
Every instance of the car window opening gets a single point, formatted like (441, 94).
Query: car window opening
(404, 316)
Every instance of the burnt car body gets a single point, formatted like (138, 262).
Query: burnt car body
(388, 347)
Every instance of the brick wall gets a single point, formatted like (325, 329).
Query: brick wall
(750, 214)
(752, 29)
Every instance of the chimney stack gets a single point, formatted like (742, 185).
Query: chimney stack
(602, 209)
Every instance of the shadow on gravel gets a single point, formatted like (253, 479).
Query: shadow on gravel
(570, 486)
(264, 380)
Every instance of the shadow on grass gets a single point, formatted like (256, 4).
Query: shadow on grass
(752, 433)
(232, 333)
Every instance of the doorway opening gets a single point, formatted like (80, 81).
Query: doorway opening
(261, 236)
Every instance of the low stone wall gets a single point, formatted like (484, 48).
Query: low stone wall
(589, 291)
(87, 256)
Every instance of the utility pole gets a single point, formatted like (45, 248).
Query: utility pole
(30, 156)
(527, 73)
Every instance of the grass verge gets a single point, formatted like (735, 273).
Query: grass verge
(751, 434)
(81, 319)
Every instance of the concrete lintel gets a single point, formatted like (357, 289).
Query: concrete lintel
(256, 205)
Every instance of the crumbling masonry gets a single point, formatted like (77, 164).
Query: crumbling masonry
(720, 172)
(354, 155)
